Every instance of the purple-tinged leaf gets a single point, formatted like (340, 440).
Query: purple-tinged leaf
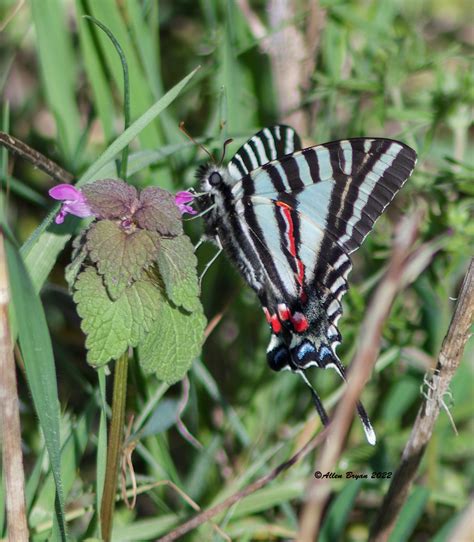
(158, 212)
(110, 198)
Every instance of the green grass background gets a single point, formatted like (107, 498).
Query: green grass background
(396, 68)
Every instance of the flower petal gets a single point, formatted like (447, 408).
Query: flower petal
(60, 217)
(66, 192)
(183, 197)
(187, 209)
(78, 208)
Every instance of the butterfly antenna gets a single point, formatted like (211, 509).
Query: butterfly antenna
(200, 145)
(364, 418)
(316, 400)
(224, 148)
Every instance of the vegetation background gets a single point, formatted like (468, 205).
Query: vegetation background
(398, 68)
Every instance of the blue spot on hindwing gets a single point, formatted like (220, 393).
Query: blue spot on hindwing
(307, 352)
(325, 352)
(304, 349)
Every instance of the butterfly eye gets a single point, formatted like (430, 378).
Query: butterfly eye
(215, 178)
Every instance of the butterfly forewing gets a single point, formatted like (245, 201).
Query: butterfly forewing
(267, 145)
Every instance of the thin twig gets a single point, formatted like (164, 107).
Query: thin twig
(360, 369)
(251, 488)
(127, 464)
(192, 504)
(10, 431)
(448, 361)
(40, 161)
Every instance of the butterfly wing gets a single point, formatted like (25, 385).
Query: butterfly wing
(265, 146)
(305, 214)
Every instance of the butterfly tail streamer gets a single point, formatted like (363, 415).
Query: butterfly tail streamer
(364, 418)
(316, 400)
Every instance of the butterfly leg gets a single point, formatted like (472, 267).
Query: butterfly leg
(198, 244)
(213, 259)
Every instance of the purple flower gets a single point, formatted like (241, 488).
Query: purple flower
(181, 199)
(74, 202)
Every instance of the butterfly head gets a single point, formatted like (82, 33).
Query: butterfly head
(212, 178)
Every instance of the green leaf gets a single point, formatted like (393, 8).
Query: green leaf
(126, 87)
(176, 339)
(163, 417)
(101, 455)
(410, 515)
(135, 128)
(101, 90)
(58, 71)
(121, 257)
(177, 264)
(112, 326)
(144, 529)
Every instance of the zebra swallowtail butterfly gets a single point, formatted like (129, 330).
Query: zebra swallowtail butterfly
(289, 218)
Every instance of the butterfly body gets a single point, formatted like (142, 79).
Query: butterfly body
(288, 218)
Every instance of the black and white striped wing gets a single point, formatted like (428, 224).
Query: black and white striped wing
(265, 146)
(308, 211)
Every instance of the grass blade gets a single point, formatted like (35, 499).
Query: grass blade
(58, 72)
(37, 352)
(339, 511)
(410, 515)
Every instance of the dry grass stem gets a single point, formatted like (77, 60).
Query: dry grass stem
(40, 161)
(292, 54)
(10, 430)
(465, 526)
(438, 386)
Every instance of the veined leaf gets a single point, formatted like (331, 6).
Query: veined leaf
(177, 265)
(112, 326)
(175, 340)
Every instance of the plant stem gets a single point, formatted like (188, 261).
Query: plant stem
(40, 161)
(114, 447)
